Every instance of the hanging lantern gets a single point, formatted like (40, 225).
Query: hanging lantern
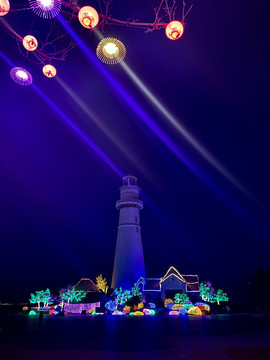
(4, 7)
(49, 71)
(174, 30)
(30, 43)
(88, 17)
(45, 8)
(21, 76)
(111, 51)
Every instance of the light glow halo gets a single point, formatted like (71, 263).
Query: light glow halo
(21, 76)
(111, 51)
(30, 43)
(4, 7)
(49, 71)
(174, 30)
(45, 8)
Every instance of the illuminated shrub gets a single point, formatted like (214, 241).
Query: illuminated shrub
(117, 312)
(140, 305)
(195, 311)
(170, 306)
(174, 30)
(167, 301)
(182, 311)
(49, 71)
(32, 312)
(147, 311)
(111, 305)
(152, 312)
(127, 309)
(177, 306)
(51, 312)
(174, 313)
(91, 311)
(4, 7)
(30, 43)
(138, 313)
(206, 307)
(88, 17)
(152, 305)
(25, 308)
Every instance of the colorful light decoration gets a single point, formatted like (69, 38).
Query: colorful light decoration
(49, 71)
(195, 311)
(111, 51)
(88, 17)
(4, 7)
(45, 8)
(21, 76)
(30, 43)
(174, 30)
(174, 313)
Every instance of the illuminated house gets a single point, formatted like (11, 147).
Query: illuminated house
(128, 260)
(86, 285)
(158, 289)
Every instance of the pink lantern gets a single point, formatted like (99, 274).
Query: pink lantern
(4, 7)
(174, 30)
(30, 43)
(49, 71)
(88, 17)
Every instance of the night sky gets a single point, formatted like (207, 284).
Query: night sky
(57, 196)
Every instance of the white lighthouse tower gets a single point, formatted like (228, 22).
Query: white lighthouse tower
(128, 261)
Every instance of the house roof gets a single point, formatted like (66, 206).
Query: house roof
(152, 284)
(86, 285)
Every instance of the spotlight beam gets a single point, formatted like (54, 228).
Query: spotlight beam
(106, 131)
(184, 132)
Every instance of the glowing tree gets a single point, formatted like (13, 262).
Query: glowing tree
(181, 298)
(220, 296)
(102, 283)
(70, 296)
(122, 295)
(135, 291)
(207, 291)
(42, 296)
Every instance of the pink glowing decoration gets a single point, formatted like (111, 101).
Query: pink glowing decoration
(30, 43)
(21, 76)
(45, 8)
(88, 17)
(174, 30)
(49, 71)
(4, 7)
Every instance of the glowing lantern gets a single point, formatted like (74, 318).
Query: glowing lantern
(30, 43)
(45, 8)
(174, 30)
(21, 76)
(4, 7)
(49, 71)
(111, 51)
(88, 17)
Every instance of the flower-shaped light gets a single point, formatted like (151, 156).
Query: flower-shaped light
(174, 30)
(21, 76)
(49, 71)
(88, 17)
(4, 7)
(111, 51)
(45, 8)
(30, 43)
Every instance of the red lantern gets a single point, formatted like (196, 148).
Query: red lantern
(4, 7)
(30, 43)
(174, 30)
(88, 17)
(49, 71)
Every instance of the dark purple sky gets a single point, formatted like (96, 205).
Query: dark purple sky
(57, 197)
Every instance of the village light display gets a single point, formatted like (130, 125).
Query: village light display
(21, 76)
(88, 17)
(45, 8)
(174, 30)
(4, 7)
(30, 43)
(49, 71)
(111, 51)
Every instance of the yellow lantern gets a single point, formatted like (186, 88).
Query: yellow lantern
(30, 43)
(88, 17)
(4, 7)
(174, 30)
(111, 51)
(49, 71)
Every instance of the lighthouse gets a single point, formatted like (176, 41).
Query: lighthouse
(128, 261)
